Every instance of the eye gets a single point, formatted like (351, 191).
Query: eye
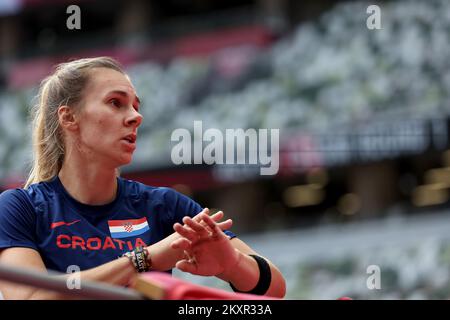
(115, 102)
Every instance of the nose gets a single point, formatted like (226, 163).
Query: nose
(134, 118)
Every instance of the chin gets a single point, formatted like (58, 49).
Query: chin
(126, 160)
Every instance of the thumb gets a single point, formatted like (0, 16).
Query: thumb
(186, 266)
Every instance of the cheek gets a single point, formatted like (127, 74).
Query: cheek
(98, 128)
(104, 127)
(98, 125)
(92, 131)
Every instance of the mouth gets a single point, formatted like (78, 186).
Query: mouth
(131, 138)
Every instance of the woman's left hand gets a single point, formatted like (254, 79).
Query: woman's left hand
(208, 250)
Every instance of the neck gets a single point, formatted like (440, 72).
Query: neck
(90, 184)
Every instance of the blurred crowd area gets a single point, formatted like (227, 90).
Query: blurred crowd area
(363, 118)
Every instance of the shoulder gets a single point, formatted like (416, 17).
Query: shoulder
(14, 196)
(32, 198)
(41, 193)
(17, 220)
(15, 202)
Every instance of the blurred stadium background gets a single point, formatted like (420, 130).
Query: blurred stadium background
(363, 116)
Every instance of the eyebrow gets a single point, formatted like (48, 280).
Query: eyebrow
(124, 94)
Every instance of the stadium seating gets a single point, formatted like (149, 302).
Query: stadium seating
(328, 73)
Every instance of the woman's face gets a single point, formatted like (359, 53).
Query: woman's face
(109, 118)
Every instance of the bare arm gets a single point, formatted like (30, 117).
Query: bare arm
(118, 272)
(245, 275)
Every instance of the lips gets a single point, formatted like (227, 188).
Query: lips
(129, 142)
(131, 138)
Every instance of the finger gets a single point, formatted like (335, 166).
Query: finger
(204, 211)
(211, 223)
(186, 232)
(217, 216)
(181, 243)
(187, 255)
(186, 266)
(196, 226)
(225, 225)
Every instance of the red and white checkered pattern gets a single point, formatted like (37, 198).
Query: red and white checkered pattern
(128, 227)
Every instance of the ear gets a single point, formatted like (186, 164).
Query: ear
(67, 118)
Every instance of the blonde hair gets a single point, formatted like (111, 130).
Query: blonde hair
(64, 87)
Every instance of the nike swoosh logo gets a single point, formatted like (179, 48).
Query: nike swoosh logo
(62, 223)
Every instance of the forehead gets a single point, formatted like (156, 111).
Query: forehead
(104, 80)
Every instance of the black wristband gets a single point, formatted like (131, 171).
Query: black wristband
(265, 277)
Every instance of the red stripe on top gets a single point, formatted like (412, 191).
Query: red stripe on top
(119, 223)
